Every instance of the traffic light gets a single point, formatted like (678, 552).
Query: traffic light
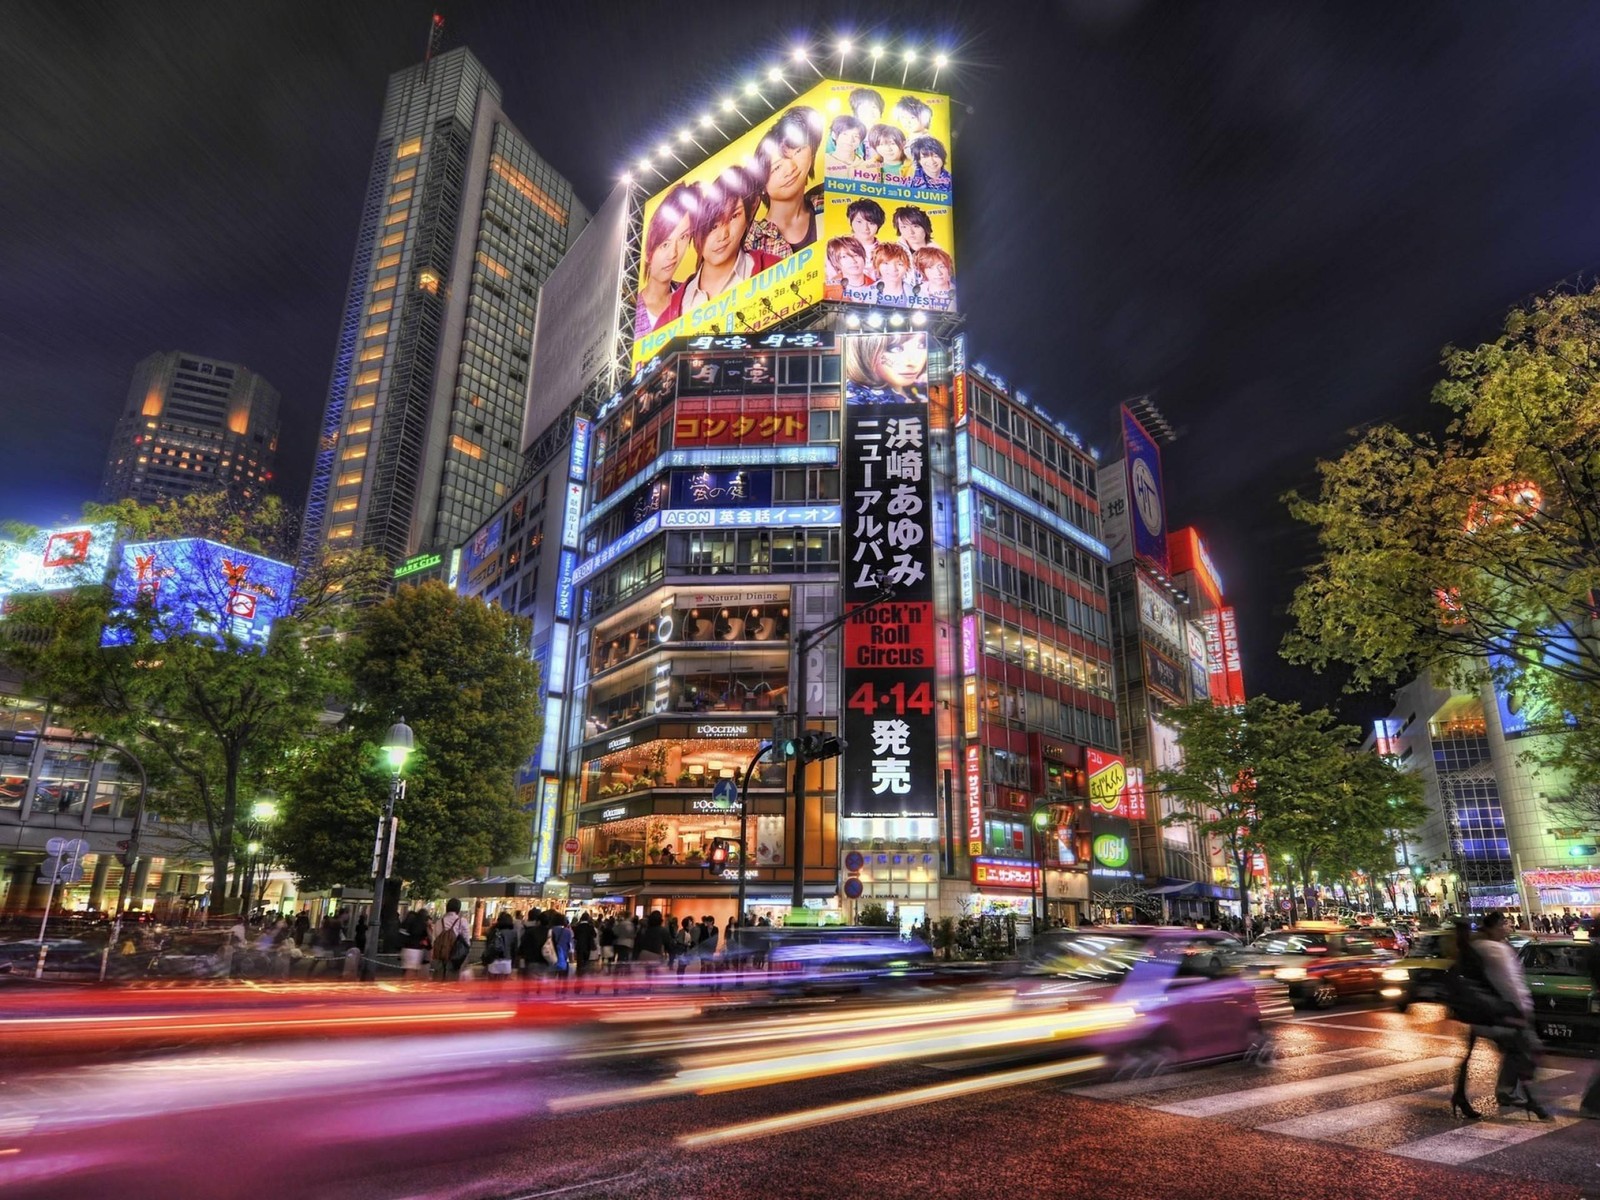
(811, 747)
(717, 856)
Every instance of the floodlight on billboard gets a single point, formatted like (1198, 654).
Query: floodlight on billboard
(844, 195)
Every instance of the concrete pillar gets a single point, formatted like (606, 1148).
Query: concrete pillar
(97, 881)
(141, 883)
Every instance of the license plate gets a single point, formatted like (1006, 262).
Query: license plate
(1556, 1031)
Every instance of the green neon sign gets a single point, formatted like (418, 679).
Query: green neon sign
(420, 562)
(1110, 850)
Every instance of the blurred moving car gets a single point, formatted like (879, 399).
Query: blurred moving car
(1566, 1007)
(1193, 1005)
(813, 959)
(1420, 976)
(64, 957)
(1321, 963)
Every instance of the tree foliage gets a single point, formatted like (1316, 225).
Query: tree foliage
(210, 716)
(1266, 777)
(458, 672)
(1477, 553)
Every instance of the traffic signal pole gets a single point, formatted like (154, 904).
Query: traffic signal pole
(803, 644)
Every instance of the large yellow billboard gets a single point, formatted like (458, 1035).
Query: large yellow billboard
(845, 194)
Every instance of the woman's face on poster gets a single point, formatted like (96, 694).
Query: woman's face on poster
(902, 367)
(937, 276)
(892, 272)
(847, 143)
(864, 227)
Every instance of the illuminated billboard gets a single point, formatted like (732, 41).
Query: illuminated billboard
(890, 765)
(1188, 552)
(54, 560)
(199, 587)
(844, 194)
(1147, 508)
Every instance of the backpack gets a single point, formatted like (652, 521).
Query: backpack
(452, 950)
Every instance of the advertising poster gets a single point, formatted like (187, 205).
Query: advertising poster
(56, 559)
(1216, 671)
(1147, 508)
(1111, 854)
(1189, 553)
(1522, 694)
(1116, 528)
(1158, 613)
(1108, 782)
(483, 549)
(199, 587)
(744, 239)
(890, 766)
(1163, 675)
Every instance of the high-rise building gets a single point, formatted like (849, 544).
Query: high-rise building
(462, 224)
(193, 424)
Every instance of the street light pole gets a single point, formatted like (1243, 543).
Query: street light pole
(744, 814)
(803, 644)
(397, 748)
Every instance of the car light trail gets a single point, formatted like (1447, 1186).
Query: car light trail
(758, 1067)
(811, 1117)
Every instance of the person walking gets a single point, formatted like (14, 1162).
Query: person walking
(626, 933)
(1514, 1035)
(415, 941)
(653, 944)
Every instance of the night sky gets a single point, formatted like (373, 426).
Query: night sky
(1269, 217)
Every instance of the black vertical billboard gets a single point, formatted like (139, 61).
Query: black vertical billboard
(890, 760)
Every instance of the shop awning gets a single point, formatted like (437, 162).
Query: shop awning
(1191, 888)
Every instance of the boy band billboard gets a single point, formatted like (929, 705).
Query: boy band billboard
(845, 194)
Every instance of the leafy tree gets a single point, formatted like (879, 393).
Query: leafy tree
(211, 714)
(1477, 553)
(458, 672)
(1266, 777)
(1578, 807)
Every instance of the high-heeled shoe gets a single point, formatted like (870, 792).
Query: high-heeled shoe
(1527, 1103)
(1460, 1107)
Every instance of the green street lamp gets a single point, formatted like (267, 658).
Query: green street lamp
(397, 748)
(1041, 822)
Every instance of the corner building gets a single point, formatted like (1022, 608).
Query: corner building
(723, 521)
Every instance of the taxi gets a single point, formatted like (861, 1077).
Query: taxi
(1420, 977)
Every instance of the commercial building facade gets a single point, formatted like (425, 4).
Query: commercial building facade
(193, 424)
(1491, 840)
(461, 225)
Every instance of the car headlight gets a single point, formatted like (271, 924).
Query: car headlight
(1289, 974)
(1396, 975)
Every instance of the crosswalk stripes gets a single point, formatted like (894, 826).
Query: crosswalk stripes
(1256, 1100)
(1374, 1113)
(1321, 1085)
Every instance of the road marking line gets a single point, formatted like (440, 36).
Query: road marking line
(1325, 1125)
(1278, 1093)
(1123, 1088)
(1478, 1139)
(1349, 1012)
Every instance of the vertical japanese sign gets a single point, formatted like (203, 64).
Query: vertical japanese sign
(890, 767)
(974, 799)
(1231, 668)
